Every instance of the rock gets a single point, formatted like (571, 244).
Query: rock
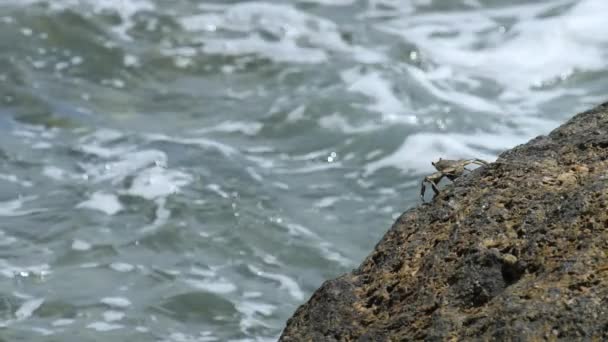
(516, 249)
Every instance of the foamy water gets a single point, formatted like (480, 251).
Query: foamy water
(193, 172)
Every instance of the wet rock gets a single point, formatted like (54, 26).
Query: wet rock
(517, 249)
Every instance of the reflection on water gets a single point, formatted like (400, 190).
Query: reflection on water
(182, 171)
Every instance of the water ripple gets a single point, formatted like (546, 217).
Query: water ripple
(186, 171)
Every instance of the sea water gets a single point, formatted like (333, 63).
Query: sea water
(193, 170)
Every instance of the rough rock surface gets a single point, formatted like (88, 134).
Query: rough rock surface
(517, 250)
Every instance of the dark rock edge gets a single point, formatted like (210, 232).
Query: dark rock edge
(517, 250)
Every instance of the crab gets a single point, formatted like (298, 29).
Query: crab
(451, 169)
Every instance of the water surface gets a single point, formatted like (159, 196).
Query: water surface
(193, 171)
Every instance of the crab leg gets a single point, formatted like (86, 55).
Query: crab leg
(435, 188)
(438, 176)
(422, 189)
(476, 161)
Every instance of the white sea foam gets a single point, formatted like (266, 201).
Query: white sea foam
(254, 174)
(11, 207)
(339, 122)
(95, 148)
(11, 271)
(119, 302)
(327, 202)
(287, 25)
(54, 172)
(28, 307)
(102, 136)
(252, 294)
(120, 160)
(536, 49)
(151, 179)
(156, 182)
(318, 167)
(251, 310)
(127, 164)
(299, 230)
(197, 271)
(247, 128)
(454, 95)
(285, 282)
(332, 2)
(104, 326)
(6, 240)
(219, 285)
(104, 202)
(161, 216)
(218, 190)
(112, 316)
(16, 180)
(122, 267)
(296, 114)
(80, 245)
(124, 9)
(226, 150)
(62, 322)
(204, 336)
(35, 136)
(43, 331)
(379, 89)
(329, 252)
(278, 51)
(42, 145)
(327, 249)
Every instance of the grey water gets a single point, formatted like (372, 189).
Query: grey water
(194, 170)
